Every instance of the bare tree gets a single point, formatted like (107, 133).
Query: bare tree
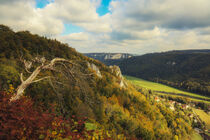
(43, 65)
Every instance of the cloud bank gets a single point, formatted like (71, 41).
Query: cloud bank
(133, 26)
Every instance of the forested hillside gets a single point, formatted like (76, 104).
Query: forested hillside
(188, 70)
(75, 98)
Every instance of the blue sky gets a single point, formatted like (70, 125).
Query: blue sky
(103, 8)
(70, 28)
(42, 3)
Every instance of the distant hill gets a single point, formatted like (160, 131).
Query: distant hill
(190, 51)
(103, 57)
(184, 69)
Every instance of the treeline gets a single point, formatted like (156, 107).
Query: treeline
(187, 70)
(190, 85)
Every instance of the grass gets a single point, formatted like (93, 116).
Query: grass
(160, 87)
(196, 136)
(204, 116)
(197, 100)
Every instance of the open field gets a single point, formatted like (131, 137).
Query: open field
(196, 136)
(204, 116)
(165, 90)
(174, 95)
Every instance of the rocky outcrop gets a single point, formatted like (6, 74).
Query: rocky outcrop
(117, 56)
(94, 68)
(108, 56)
(117, 72)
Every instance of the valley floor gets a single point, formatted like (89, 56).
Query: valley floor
(166, 90)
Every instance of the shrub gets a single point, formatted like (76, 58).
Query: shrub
(22, 120)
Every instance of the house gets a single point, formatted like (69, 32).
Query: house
(157, 99)
(172, 102)
(172, 107)
(185, 106)
(190, 115)
(179, 104)
(193, 105)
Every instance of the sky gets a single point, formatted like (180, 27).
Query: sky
(128, 26)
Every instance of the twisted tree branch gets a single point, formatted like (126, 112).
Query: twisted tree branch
(31, 79)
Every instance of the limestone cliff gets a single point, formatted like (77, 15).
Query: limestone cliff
(117, 72)
(94, 68)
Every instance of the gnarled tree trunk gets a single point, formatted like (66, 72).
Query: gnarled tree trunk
(31, 79)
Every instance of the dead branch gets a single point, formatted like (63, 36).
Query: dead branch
(21, 77)
(31, 79)
(27, 64)
(69, 71)
(41, 79)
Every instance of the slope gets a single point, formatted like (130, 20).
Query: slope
(85, 88)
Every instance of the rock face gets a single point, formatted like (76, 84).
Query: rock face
(108, 56)
(94, 68)
(117, 72)
(117, 56)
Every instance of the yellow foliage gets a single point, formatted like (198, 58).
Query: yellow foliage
(176, 137)
(113, 99)
(23, 138)
(54, 132)
(11, 89)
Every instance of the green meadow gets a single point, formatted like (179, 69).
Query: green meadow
(163, 88)
(204, 116)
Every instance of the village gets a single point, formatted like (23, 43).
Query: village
(187, 110)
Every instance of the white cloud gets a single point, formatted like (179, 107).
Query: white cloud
(135, 26)
(22, 15)
(75, 37)
(72, 11)
(78, 12)
(164, 13)
(101, 25)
